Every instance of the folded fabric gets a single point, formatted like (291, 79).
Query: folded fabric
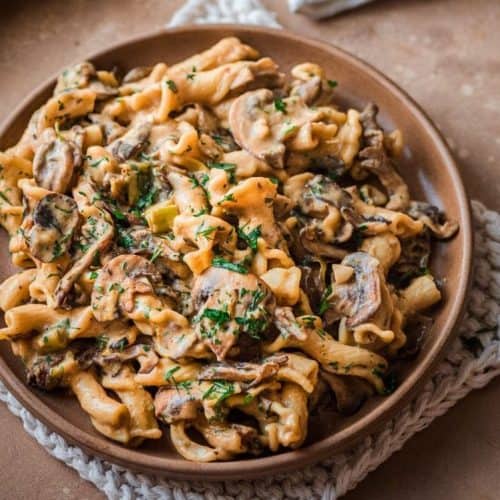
(318, 9)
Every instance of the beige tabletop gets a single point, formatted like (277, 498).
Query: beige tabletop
(446, 54)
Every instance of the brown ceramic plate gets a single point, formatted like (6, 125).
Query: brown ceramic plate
(426, 165)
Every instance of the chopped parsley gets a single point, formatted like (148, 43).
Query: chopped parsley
(117, 287)
(101, 342)
(251, 238)
(124, 239)
(120, 344)
(280, 105)
(96, 163)
(248, 399)
(227, 197)
(252, 326)
(205, 231)
(218, 139)
(169, 374)
(218, 316)
(309, 321)
(201, 212)
(332, 83)
(229, 168)
(171, 85)
(157, 253)
(324, 305)
(257, 296)
(93, 275)
(118, 215)
(220, 390)
(145, 200)
(230, 266)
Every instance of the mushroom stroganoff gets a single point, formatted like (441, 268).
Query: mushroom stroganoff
(212, 248)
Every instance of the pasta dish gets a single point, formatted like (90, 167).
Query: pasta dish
(212, 249)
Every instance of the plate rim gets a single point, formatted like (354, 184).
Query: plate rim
(289, 460)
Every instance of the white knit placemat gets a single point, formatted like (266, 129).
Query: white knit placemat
(463, 370)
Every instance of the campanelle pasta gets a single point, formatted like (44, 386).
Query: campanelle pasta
(211, 248)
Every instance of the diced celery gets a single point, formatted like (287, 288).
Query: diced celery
(161, 216)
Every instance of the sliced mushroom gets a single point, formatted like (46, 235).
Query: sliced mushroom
(309, 90)
(324, 189)
(144, 354)
(112, 130)
(175, 404)
(75, 77)
(413, 260)
(132, 142)
(229, 437)
(249, 126)
(55, 161)
(84, 75)
(136, 74)
(117, 284)
(433, 218)
(42, 371)
(139, 240)
(101, 234)
(55, 219)
(252, 373)
(350, 392)
(323, 202)
(230, 304)
(287, 324)
(314, 246)
(313, 280)
(375, 159)
(49, 372)
(359, 298)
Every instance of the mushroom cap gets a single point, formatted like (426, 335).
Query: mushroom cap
(252, 373)
(376, 160)
(360, 297)
(230, 304)
(55, 219)
(433, 218)
(54, 162)
(131, 143)
(350, 392)
(174, 404)
(248, 123)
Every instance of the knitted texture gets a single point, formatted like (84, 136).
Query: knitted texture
(463, 370)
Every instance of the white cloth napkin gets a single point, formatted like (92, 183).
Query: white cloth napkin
(318, 9)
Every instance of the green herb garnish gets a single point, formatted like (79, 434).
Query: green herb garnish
(101, 342)
(229, 168)
(280, 105)
(220, 390)
(324, 305)
(218, 316)
(251, 238)
(157, 253)
(171, 85)
(169, 374)
(223, 263)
